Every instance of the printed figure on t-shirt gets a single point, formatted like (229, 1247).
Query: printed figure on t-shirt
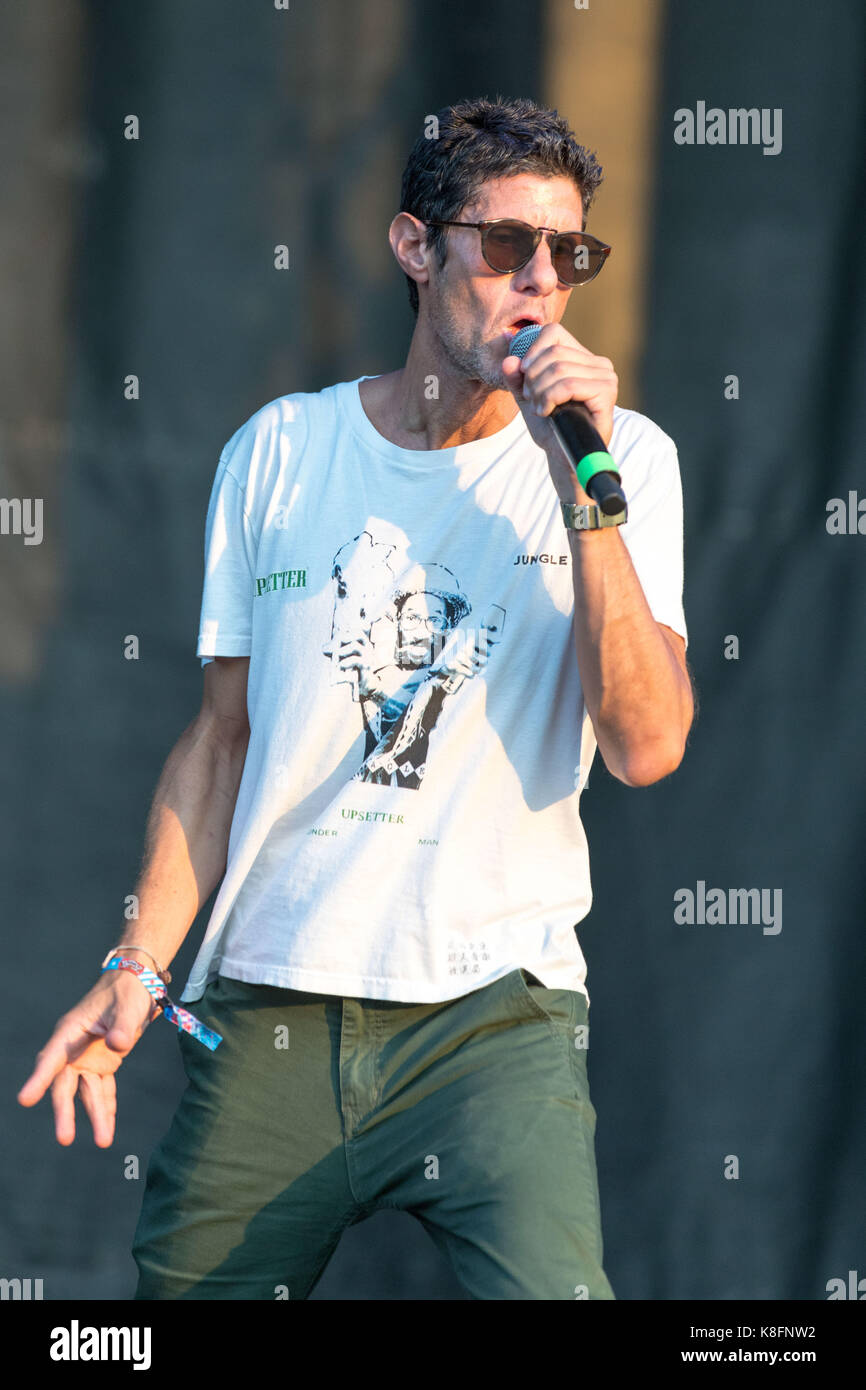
(395, 649)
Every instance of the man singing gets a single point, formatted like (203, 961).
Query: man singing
(390, 1006)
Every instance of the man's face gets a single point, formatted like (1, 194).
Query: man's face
(421, 625)
(470, 306)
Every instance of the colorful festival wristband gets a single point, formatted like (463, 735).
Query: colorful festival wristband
(181, 1018)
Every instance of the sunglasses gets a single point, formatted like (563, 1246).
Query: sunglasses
(508, 245)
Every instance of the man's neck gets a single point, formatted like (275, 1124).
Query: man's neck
(428, 404)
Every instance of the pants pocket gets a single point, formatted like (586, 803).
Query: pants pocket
(557, 1006)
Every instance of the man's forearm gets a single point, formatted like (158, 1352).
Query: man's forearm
(635, 682)
(637, 695)
(186, 840)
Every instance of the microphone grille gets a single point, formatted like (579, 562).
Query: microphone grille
(523, 340)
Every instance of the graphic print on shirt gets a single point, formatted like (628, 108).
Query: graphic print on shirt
(396, 640)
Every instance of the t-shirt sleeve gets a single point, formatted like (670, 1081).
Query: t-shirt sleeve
(225, 626)
(653, 533)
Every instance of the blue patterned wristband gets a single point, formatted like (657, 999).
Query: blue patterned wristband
(181, 1018)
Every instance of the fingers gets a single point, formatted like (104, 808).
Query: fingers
(554, 338)
(593, 394)
(512, 369)
(540, 358)
(561, 374)
(469, 661)
(555, 345)
(474, 659)
(466, 668)
(70, 1042)
(545, 384)
(539, 374)
(353, 654)
(557, 369)
(98, 1095)
(62, 1098)
(49, 1062)
(82, 1055)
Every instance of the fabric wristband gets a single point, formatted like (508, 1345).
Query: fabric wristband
(118, 950)
(181, 1018)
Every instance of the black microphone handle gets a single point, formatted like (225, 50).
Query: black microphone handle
(572, 424)
(604, 489)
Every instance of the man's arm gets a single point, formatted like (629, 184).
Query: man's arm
(186, 847)
(636, 684)
(187, 834)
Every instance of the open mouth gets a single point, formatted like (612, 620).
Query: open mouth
(516, 325)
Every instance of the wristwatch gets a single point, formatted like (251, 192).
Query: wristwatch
(580, 517)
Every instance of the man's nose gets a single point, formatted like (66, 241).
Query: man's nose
(539, 272)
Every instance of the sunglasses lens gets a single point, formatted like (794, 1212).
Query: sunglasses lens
(577, 258)
(508, 245)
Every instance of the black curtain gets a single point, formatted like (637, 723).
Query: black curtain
(709, 1043)
(728, 1040)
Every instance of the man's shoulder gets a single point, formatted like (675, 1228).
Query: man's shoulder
(279, 429)
(648, 461)
(631, 429)
(644, 453)
(289, 412)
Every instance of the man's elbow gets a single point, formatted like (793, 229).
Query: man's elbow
(642, 766)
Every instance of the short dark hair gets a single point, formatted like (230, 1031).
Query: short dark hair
(473, 141)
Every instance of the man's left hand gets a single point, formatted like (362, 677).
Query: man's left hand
(557, 368)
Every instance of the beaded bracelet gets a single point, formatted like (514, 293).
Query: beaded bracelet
(181, 1018)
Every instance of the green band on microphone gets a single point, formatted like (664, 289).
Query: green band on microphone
(591, 464)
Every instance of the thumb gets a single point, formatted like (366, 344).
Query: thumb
(125, 1031)
(120, 1038)
(512, 370)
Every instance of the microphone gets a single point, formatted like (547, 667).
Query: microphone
(579, 440)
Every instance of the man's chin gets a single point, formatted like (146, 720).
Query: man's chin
(489, 372)
(478, 360)
(498, 355)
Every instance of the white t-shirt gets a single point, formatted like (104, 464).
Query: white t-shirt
(407, 826)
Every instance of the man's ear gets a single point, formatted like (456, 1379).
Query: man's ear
(408, 238)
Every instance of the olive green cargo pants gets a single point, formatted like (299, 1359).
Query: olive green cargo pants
(315, 1111)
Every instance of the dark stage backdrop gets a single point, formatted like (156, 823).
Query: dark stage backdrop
(717, 1040)
(727, 1061)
